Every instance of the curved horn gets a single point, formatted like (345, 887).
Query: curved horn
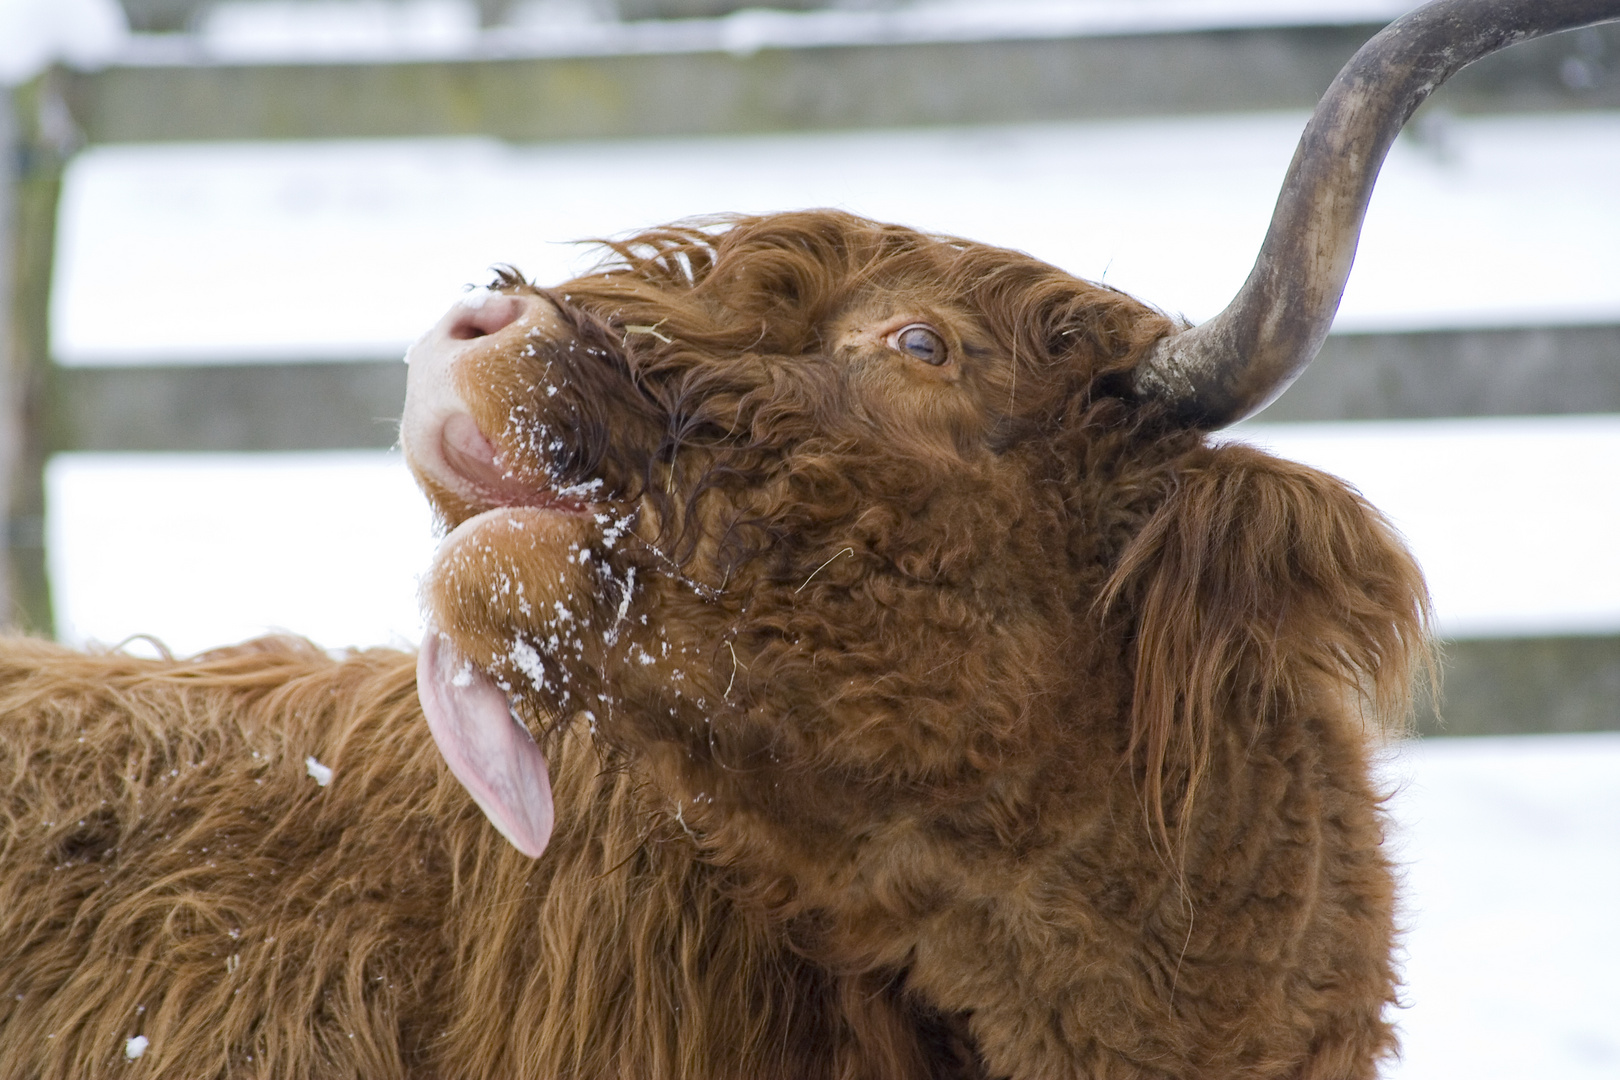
(1235, 364)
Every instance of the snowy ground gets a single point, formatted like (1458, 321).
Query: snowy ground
(93, 32)
(200, 550)
(370, 30)
(1512, 855)
(349, 249)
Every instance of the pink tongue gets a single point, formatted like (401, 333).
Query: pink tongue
(493, 755)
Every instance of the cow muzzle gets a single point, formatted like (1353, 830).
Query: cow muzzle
(443, 442)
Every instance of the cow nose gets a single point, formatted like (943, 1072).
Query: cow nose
(482, 313)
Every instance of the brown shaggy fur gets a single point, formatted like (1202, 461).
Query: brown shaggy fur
(906, 720)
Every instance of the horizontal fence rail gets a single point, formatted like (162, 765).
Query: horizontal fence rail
(803, 88)
(1542, 371)
(1543, 685)
(230, 407)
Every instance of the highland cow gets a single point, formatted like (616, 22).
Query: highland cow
(874, 665)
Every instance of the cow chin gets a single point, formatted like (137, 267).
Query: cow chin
(516, 592)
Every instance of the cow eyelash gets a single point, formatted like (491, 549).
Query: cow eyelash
(920, 341)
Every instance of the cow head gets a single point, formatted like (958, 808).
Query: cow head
(779, 495)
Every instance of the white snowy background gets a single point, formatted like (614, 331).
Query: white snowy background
(332, 250)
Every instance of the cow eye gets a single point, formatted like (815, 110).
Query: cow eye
(919, 341)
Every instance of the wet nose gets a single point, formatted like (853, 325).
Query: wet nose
(482, 313)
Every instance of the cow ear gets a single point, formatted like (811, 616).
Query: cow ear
(1257, 585)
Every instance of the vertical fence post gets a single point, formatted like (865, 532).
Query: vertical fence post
(41, 135)
(10, 166)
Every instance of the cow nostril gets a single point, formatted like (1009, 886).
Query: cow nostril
(483, 314)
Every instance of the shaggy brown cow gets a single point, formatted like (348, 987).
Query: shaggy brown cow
(924, 693)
